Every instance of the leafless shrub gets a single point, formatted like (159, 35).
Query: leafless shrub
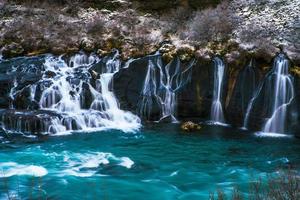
(236, 194)
(285, 186)
(175, 21)
(212, 24)
(128, 20)
(96, 25)
(221, 195)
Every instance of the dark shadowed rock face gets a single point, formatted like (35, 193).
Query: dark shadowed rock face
(23, 81)
(295, 128)
(245, 87)
(128, 84)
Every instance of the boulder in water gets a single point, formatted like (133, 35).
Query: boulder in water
(190, 126)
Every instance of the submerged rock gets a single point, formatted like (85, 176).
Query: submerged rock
(190, 126)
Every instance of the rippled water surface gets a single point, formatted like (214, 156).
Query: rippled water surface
(159, 162)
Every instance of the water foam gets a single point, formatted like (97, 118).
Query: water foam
(87, 164)
(9, 169)
(274, 135)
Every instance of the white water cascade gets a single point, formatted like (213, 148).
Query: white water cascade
(66, 96)
(161, 86)
(216, 113)
(283, 96)
(280, 94)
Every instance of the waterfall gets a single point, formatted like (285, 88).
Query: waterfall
(161, 86)
(250, 69)
(70, 98)
(279, 92)
(283, 96)
(217, 115)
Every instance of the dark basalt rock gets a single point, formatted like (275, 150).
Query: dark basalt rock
(245, 87)
(86, 96)
(6, 82)
(128, 84)
(193, 99)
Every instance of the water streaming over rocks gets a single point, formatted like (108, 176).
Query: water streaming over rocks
(162, 82)
(59, 94)
(217, 115)
(283, 95)
(68, 96)
(275, 94)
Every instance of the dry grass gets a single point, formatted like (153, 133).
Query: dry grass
(284, 186)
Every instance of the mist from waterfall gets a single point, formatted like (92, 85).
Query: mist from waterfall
(217, 115)
(162, 82)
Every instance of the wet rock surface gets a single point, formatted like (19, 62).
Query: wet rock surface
(24, 81)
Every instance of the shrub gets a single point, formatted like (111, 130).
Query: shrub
(213, 24)
(285, 186)
(96, 25)
(175, 21)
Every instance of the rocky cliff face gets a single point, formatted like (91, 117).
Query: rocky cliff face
(194, 99)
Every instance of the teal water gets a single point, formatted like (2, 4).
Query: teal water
(159, 162)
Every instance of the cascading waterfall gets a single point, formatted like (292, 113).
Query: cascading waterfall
(283, 96)
(161, 86)
(217, 115)
(279, 84)
(107, 102)
(71, 99)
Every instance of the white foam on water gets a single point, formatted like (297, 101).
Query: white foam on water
(214, 123)
(126, 162)
(274, 135)
(87, 164)
(174, 173)
(9, 169)
(282, 160)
